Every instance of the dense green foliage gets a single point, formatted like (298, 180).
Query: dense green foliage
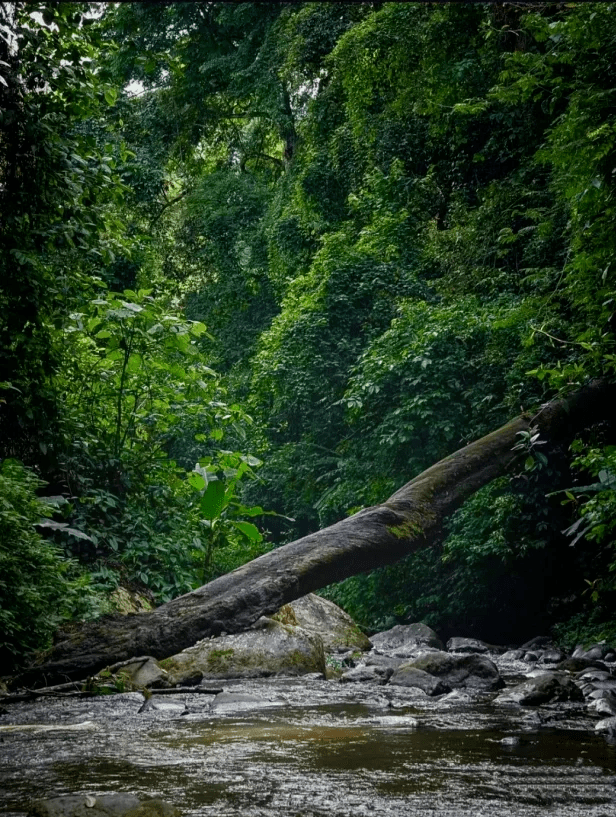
(344, 239)
(38, 585)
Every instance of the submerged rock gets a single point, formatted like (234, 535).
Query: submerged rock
(549, 687)
(406, 637)
(267, 648)
(106, 805)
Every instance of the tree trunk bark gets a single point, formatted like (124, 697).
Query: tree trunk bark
(410, 519)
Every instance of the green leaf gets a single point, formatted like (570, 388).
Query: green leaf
(249, 530)
(256, 510)
(134, 364)
(197, 328)
(213, 500)
(196, 481)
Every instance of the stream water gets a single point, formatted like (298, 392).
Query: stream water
(311, 747)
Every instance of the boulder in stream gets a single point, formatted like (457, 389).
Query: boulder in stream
(325, 619)
(453, 671)
(406, 638)
(408, 676)
(267, 648)
(547, 688)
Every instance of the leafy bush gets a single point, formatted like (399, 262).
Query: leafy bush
(38, 586)
(140, 407)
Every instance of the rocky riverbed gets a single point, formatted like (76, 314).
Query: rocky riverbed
(506, 733)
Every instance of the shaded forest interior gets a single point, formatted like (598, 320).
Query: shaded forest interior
(263, 264)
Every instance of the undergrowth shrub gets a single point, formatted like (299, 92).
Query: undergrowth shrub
(38, 586)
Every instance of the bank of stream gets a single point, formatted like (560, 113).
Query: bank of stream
(306, 746)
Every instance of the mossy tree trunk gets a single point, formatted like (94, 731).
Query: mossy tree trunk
(412, 518)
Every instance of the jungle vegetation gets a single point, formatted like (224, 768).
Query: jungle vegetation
(263, 263)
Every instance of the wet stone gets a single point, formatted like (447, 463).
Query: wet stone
(406, 637)
(467, 645)
(110, 805)
(603, 706)
(368, 674)
(551, 657)
(409, 676)
(592, 653)
(145, 672)
(607, 725)
(542, 689)
(512, 655)
(458, 671)
(375, 659)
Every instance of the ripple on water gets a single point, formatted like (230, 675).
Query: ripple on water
(339, 759)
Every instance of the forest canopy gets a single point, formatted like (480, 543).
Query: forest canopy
(263, 263)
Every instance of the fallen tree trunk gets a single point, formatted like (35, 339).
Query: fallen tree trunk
(412, 518)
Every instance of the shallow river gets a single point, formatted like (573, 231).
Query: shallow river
(311, 747)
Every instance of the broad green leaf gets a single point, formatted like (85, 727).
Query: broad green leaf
(249, 530)
(213, 500)
(135, 362)
(197, 328)
(196, 481)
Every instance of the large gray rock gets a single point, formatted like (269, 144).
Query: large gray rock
(454, 671)
(406, 637)
(267, 648)
(105, 805)
(407, 676)
(321, 617)
(548, 688)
